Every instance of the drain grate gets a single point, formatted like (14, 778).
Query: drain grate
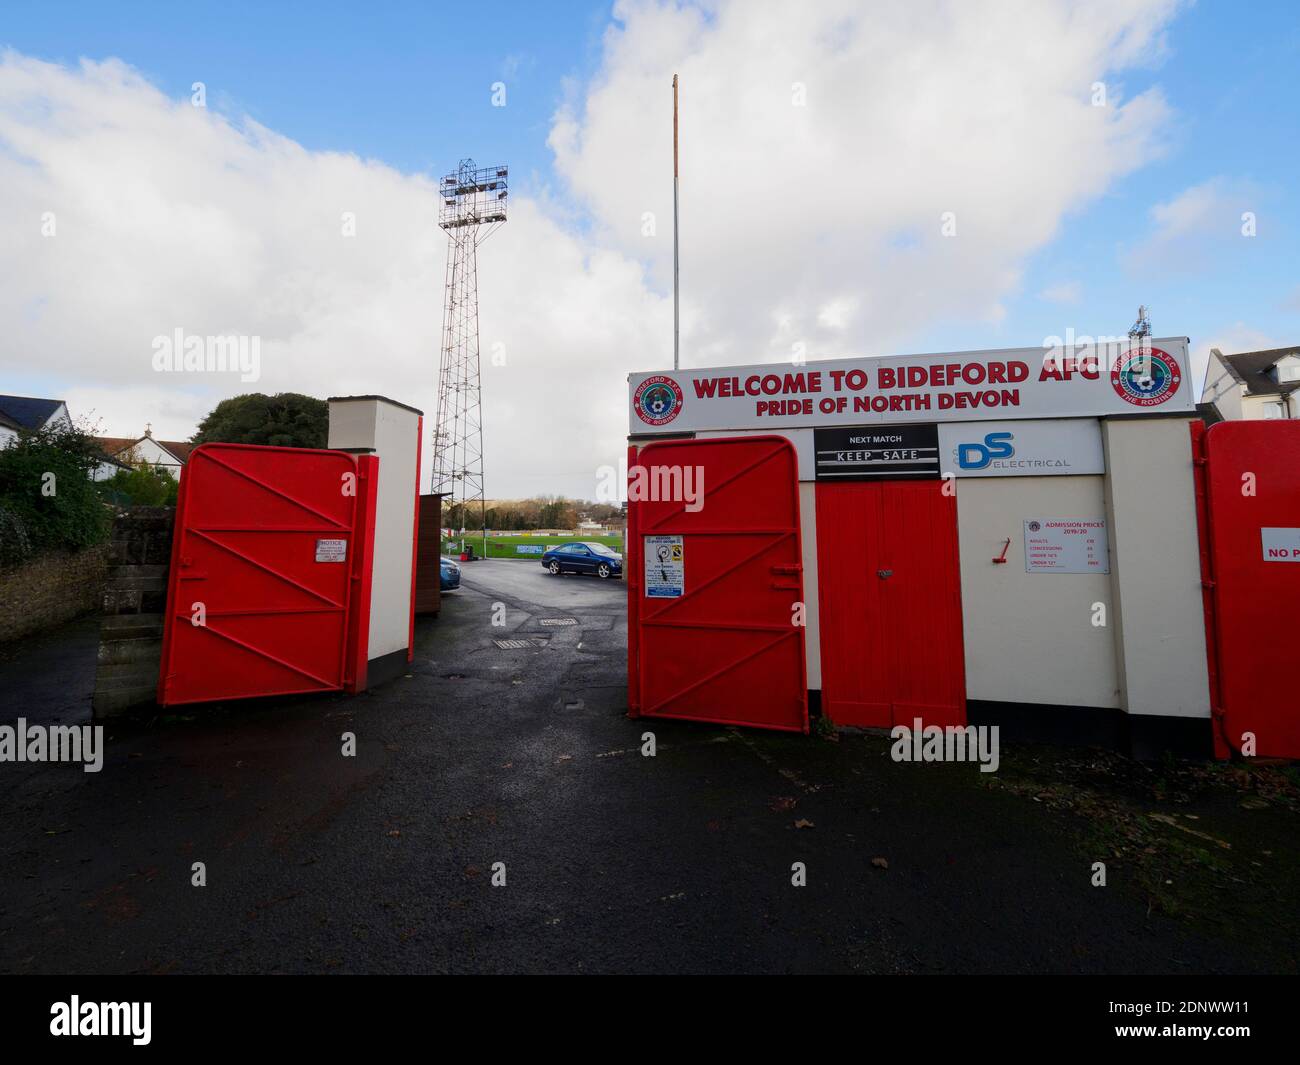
(512, 645)
(559, 621)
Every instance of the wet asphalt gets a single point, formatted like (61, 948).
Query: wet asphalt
(524, 756)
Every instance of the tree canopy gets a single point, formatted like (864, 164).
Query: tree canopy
(286, 419)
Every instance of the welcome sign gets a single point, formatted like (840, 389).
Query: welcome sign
(1010, 383)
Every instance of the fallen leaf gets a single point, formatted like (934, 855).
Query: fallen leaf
(803, 822)
(880, 863)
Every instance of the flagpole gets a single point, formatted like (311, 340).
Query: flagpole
(676, 269)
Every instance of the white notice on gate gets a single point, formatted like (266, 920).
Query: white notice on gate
(331, 550)
(665, 567)
(1066, 545)
(1280, 545)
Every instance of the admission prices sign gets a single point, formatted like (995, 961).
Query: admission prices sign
(1012, 383)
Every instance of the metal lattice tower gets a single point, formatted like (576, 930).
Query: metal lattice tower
(473, 207)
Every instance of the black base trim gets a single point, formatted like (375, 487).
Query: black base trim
(1152, 737)
(386, 667)
(1147, 737)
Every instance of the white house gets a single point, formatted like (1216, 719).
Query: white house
(170, 455)
(26, 412)
(1254, 384)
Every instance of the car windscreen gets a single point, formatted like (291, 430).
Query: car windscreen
(601, 549)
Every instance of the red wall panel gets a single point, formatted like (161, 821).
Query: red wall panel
(1252, 476)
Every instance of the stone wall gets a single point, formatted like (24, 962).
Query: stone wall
(51, 589)
(134, 600)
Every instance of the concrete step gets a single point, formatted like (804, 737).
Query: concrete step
(129, 626)
(121, 651)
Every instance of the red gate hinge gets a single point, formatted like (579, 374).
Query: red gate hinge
(1208, 584)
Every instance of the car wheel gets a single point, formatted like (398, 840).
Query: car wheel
(554, 567)
(602, 571)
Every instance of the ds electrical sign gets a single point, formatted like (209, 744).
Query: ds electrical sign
(1014, 383)
(1055, 448)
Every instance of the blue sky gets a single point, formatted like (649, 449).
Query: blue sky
(409, 84)
(409, 87)
(1232, 75)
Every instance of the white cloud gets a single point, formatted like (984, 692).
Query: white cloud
(172, 217)
(911, 111)
(1208, 208)
(817, 224)
(1200, 225)
(1067, 292)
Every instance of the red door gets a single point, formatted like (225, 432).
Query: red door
(890, 604)
(1251, 476)
(269, 589)
(715, 593)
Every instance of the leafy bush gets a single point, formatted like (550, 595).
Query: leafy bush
(47, 500)
(287, 419)
(144, 486)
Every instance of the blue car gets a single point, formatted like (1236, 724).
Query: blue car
(603, 561)
(448, 575)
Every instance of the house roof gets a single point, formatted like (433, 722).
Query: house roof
(115, 445)
(27, 411)
(1251, 369)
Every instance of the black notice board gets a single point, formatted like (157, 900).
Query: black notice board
(878, 452)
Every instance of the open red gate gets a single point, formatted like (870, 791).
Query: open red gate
(714, 594)
(269, 589)
(1248, 481)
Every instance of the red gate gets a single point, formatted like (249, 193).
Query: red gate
(269, 590)
(889, 589)
(1248, 478)
(714, 623)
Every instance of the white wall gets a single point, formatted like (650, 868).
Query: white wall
(1029, 636)
(1159, 628)
(150, 451)
(1234, 404)
(104, 471)
(392, 431)
(812, 604)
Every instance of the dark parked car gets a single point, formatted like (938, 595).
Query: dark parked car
(448, 575)
(603, 561)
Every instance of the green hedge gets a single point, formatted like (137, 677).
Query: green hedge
(146, 486)
(47, 500)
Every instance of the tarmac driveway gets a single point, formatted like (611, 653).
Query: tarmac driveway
(509, 744)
